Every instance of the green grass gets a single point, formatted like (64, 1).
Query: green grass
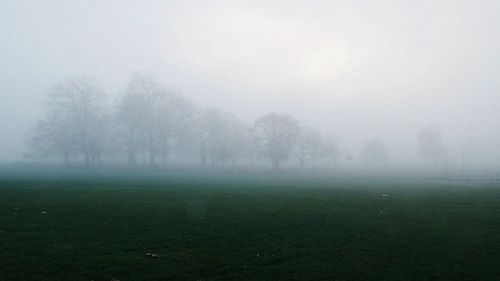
(237, 227)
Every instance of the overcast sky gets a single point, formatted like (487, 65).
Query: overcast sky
(358, 70)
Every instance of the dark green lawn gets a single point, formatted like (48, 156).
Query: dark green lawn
(239, 228)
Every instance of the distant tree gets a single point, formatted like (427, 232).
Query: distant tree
(152, 117)
(278, 134)
(253, 145)
(238, 139)
(309, 146)
(430, 145)
(131, 116)
(73, 121)
(177, 117)
(222, 137)
(52, 137)
(374, 151)
(103, 138)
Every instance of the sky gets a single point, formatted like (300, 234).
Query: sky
(357, 70)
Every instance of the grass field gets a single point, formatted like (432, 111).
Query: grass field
(243, 227)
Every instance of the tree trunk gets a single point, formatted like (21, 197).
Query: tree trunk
(203, 154)
(152, 150)
(131, 161)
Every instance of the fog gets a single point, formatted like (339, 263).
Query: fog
(364, 73)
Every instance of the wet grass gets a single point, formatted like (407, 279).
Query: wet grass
(244, 228)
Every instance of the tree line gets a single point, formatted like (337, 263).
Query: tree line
(151, 123)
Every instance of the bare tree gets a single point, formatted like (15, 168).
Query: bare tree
(52, 137)
(309, 146)
(131, 116)
(278, 133)
(103, 138)
(177, 117)
(222, 137)
(152, 117)
(72, 122)
(239, 140)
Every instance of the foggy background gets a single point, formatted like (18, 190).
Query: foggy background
(357, 70)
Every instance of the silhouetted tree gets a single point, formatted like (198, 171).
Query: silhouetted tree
(52, 137)
(152, 117)
(278, 134)
(73, 121)
(222, 137)
(308, 146)
(131, 115)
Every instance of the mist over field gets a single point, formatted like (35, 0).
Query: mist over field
(358, 72)
(259, 140)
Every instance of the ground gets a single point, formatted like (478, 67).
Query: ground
(242, 227)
